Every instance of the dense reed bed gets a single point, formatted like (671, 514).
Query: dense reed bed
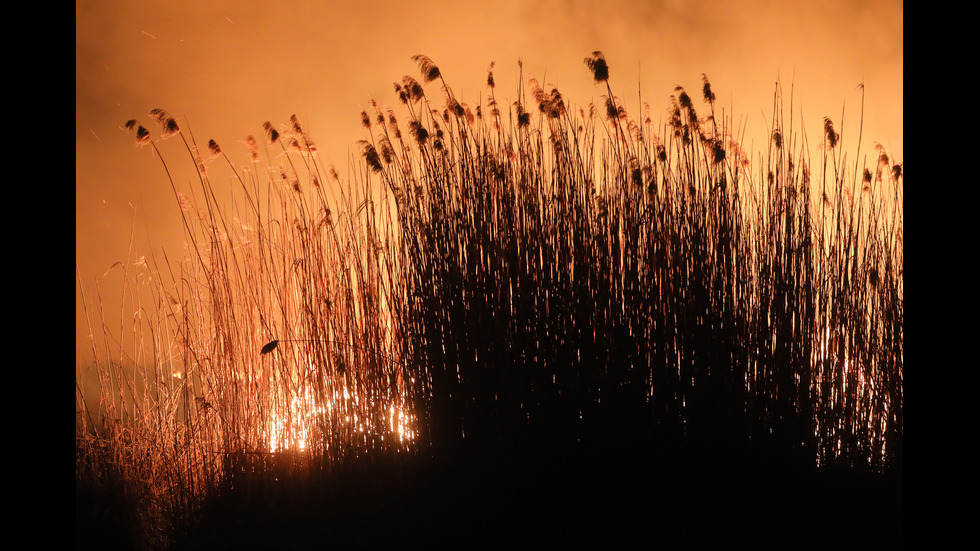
(520, 274)
(578, 277)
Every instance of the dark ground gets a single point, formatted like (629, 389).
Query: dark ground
(626, 498)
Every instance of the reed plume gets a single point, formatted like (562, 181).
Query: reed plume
(428, 69)
(831, 136)
(597, 65)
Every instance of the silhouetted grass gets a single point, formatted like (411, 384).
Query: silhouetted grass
(599, 276)
(521, 287)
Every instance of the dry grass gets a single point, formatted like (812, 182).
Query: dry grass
(502, 277)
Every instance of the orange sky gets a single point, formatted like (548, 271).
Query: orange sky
(223, 67)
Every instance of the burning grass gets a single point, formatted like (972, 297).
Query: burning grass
(518, 275)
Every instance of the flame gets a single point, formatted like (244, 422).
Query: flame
(308, 416)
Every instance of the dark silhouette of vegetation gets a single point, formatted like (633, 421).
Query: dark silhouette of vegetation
(567, 287)
(572, 300)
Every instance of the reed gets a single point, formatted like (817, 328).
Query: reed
(576, 277)
(521, 275)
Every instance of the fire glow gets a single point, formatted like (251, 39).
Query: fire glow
(309, 417)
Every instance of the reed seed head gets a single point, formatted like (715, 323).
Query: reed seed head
(718, 151)
(387, 152)
(142, 136)
(253, 148)
(412, 88)
(597, 64)
(831, 135)
(683, 98)
(612, 112)
(402, 93)
(167, 123)
(523, 117)
(709, 96)
(370, 155)
(159, 115)
(271, 132)
(297, 127)
(428, 69)
(170, 127)
(419, 132)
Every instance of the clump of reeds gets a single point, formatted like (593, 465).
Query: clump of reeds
(505, 275)
(268, 350)
(575, 277)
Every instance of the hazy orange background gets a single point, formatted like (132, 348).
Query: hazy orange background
(223, 67)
